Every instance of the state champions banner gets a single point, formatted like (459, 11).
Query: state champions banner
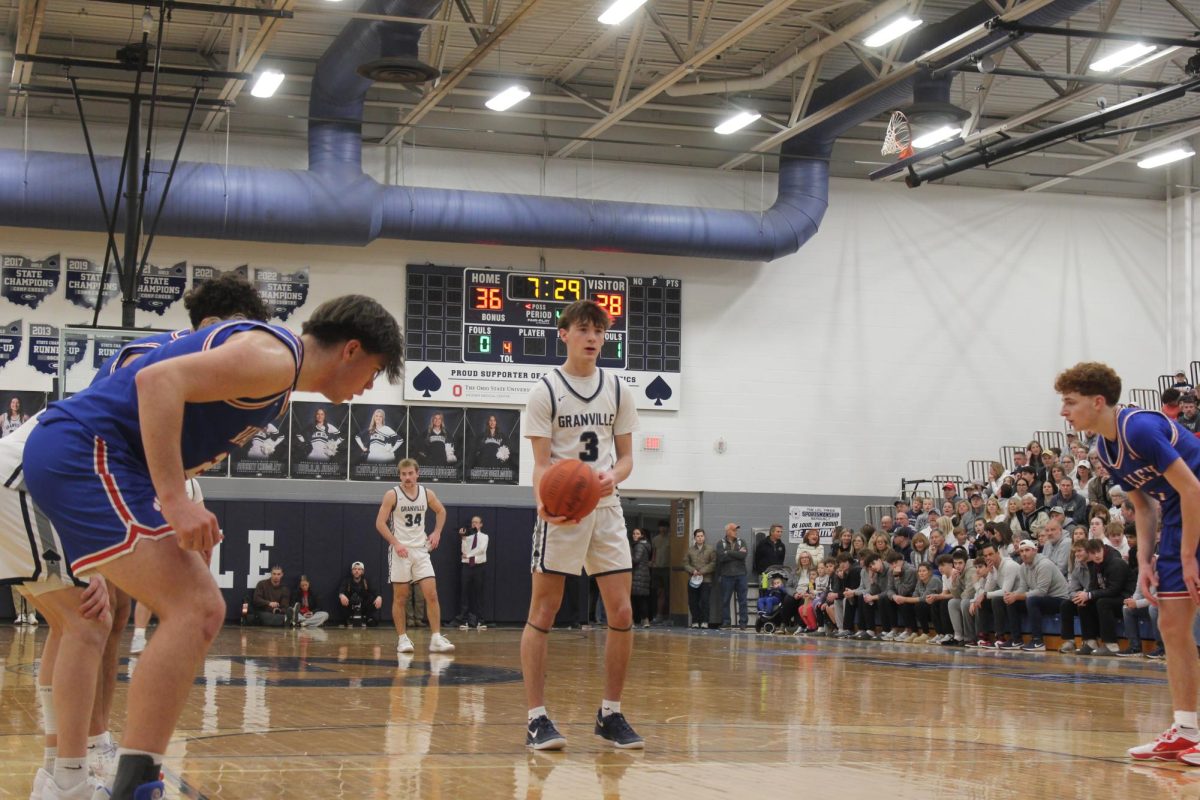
(283, 292)
(823, 518)
(83, 282)
(159, 288)
(27, 282)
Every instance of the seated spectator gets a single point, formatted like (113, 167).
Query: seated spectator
(858, 547)
(843, 538)
(358, 603)
(938, 539)
(928, 588)
(272, 600)
(1079, 603)
(867, 596)
(975, 579)
(1073, 504)
(1001, 536)
(992, 512)
(902, 542)
(1056, 546)
(812, 545)
(1046, 589)
(1046, 498)
(995, 475)
(920, 550)
(897, 598)
(1096, 528)
(950, 493)
(1135, 609)
(1097, 510)
(825, 616)
(975, 512)
(1116, 497)
(1114, 537)
(1170, 402)
(962, 542)
(880, 544)
(1188, 417)
(306, 611)
(1029, 519)
(1001, 612)
(842, 588)
(1182, 382)
(923, 518)
(961, 508)
(771, 608)
(885, 525)
(1115, 581)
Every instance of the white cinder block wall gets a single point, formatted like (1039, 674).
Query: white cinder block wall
(917, 330)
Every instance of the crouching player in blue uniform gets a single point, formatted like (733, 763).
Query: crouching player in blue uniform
(108, 466)
(1157, 461)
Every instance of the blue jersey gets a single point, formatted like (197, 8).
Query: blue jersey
(109, 407)
(1147, 444)
(138, 347)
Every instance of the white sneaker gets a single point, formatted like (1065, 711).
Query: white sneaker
(440, 644)
(404, 644)
(138, 644)
(903, 637)
(88, 790)
(887, 637)
(31, 619)
(102, 763)
(39, 780)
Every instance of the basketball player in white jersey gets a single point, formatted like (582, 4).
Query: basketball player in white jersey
(579, 411)
(401, 521)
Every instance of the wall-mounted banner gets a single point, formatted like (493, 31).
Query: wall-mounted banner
(161, 287)
(266, 454)
(319, 440)
(10, 341)
(493, 445)
(204, 272)
(43, 348)
(18, 406)
(27, 282)
(509, 384)
(283, 292)
(106, 347)
(435, 440)
(823, 518)
(377, 437)
(83, 282)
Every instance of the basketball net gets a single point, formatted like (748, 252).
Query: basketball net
(898, 139)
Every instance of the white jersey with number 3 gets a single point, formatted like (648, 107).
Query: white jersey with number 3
(408, 517)
(582, 418)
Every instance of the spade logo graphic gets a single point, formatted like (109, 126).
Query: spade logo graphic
(659, 390)
(427, 381)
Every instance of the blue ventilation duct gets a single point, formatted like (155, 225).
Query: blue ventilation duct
(333, 202)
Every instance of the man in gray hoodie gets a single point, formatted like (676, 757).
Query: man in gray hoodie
(1005, 577)
(1046, 588)
(898, 617)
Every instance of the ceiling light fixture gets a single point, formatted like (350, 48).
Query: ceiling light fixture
(937, 136)
(267, 82)
(507, 98)
(1166, 157)
(737, 122)
(1122, 57)
(893, 30)
(619, 10)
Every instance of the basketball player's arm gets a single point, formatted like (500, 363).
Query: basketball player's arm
(439, 518)
(1145, 520)
(609, 479)
(541, 463)
(381, 523)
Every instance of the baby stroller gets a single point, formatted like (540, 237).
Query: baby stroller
(770, 599)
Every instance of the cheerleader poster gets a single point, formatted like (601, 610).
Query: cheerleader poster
(378, 439)
(319, 440)
(435, 440)
(266, 454)
(493, 445)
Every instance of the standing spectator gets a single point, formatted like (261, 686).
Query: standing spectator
(660, 573)
(699, 562)
(811, 544)
(358, 603)
(306, 611)
(770, 551)
(731, 568)
(473, 546)
(272, 600)
(640, 588)
(1046, 589)
(1073, 504)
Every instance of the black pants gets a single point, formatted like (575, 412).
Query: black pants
(1108, 610)
(358, 614)
(470, 606)
(936, 615)
(868, 614)
(896, 615)
(270, 618)
(1089, 621)
(641, 608)
(699, 600)
(1007, 616)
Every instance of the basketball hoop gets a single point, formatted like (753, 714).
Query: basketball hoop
(898, 139)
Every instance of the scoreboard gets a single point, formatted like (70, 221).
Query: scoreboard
(477, 327)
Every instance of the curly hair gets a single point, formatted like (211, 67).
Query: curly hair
(226, 296)
(1090, 378)
(356, 316)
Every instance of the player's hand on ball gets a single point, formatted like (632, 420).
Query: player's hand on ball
(195, 526)
(93, 603)
(606, 483)
(545, 515)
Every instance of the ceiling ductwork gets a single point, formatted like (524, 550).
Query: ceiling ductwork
(334, 202)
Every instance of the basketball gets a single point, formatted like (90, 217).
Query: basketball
(570, 489)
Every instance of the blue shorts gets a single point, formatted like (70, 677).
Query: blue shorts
(99, 497)
(1170, 578)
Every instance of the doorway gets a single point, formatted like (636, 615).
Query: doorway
(673, 517)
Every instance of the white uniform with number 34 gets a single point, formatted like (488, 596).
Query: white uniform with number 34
(408, 526)
(582, 418)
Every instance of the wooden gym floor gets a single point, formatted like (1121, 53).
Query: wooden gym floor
(330, 714)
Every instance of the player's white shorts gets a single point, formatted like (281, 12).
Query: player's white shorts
(417, 567)
(597, 544)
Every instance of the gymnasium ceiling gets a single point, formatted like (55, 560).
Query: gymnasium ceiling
(590, 81)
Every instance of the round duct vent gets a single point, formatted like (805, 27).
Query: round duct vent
(398, 69)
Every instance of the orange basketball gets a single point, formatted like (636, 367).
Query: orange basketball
(570, 489)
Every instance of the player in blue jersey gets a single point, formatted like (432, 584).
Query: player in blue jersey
(1157, 461)
(53, 592)
(109, 466)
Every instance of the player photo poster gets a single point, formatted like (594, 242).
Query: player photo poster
(18, 405)
(319, 440)
(266, 454)
(493, 445)
(435, 440)
(377, 438)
